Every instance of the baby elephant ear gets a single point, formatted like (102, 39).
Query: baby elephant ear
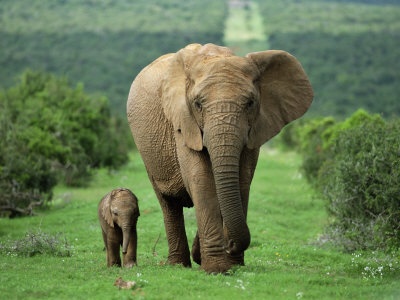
(285, 94)
(174, 97)
(106, 211)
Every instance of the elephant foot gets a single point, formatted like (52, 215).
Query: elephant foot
(196, 250)
(237, 259)
(130, 264)
(179, 260)
(114, 264)
(215, 267)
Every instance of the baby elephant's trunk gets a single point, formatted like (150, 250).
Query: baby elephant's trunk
(126, 235)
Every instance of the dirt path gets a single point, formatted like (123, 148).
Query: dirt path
(244, 28)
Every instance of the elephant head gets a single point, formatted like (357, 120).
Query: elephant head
(121, 209)
(221, 103)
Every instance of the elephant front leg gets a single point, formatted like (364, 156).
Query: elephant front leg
(113, 246)
(129, 259)
(211, 237)
(209, 244)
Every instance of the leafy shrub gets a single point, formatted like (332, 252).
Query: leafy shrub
(355, 164)
(50, 131)
(38, 243)
(289, 137)
(359, 118)
(362, 186)
(311, 146)
(316, 138)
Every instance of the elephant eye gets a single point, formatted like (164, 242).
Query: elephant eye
(250, 103)
(197, 104)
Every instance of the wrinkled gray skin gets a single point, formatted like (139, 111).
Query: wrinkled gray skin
(199, 117)
(118, 212)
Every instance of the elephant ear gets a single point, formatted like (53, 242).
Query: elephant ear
(285, 94)
(174, 86)
(106, 211)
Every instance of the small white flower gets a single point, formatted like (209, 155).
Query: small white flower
(138, 274)
(299, 295)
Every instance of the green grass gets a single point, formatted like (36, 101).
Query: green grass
(285, 217)
(244, 30)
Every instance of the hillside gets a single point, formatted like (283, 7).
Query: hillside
(349, 49)
(102, 43)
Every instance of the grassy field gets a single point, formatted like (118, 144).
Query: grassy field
(244, 30)
(283, 262)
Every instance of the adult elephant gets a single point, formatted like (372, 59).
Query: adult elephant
(199, 117)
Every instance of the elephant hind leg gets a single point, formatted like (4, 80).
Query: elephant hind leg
(196, 254)
(175, 230)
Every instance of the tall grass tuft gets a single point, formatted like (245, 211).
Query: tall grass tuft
(35, 243)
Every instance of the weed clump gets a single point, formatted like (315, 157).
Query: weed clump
(34, 243)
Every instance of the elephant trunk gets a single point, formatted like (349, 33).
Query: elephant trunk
(126, 235)
(225, 145)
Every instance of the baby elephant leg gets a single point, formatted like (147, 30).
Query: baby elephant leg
(112, 248)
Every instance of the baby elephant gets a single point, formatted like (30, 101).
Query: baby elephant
(118, 213)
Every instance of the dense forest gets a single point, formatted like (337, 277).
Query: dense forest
(349, 50)
(102, 43)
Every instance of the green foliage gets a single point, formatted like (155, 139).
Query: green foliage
(312, 146)
(359, 118)
(375, 2)
(289, 138)
(362, 186)
(355, 165)
(317, 137)
(50, 130)
(102, 43)
(347, 50)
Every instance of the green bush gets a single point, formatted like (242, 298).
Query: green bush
(311, 146)
(316, 139)
(362, 186)
(359, 118)
(51, 131)
(289, 138)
